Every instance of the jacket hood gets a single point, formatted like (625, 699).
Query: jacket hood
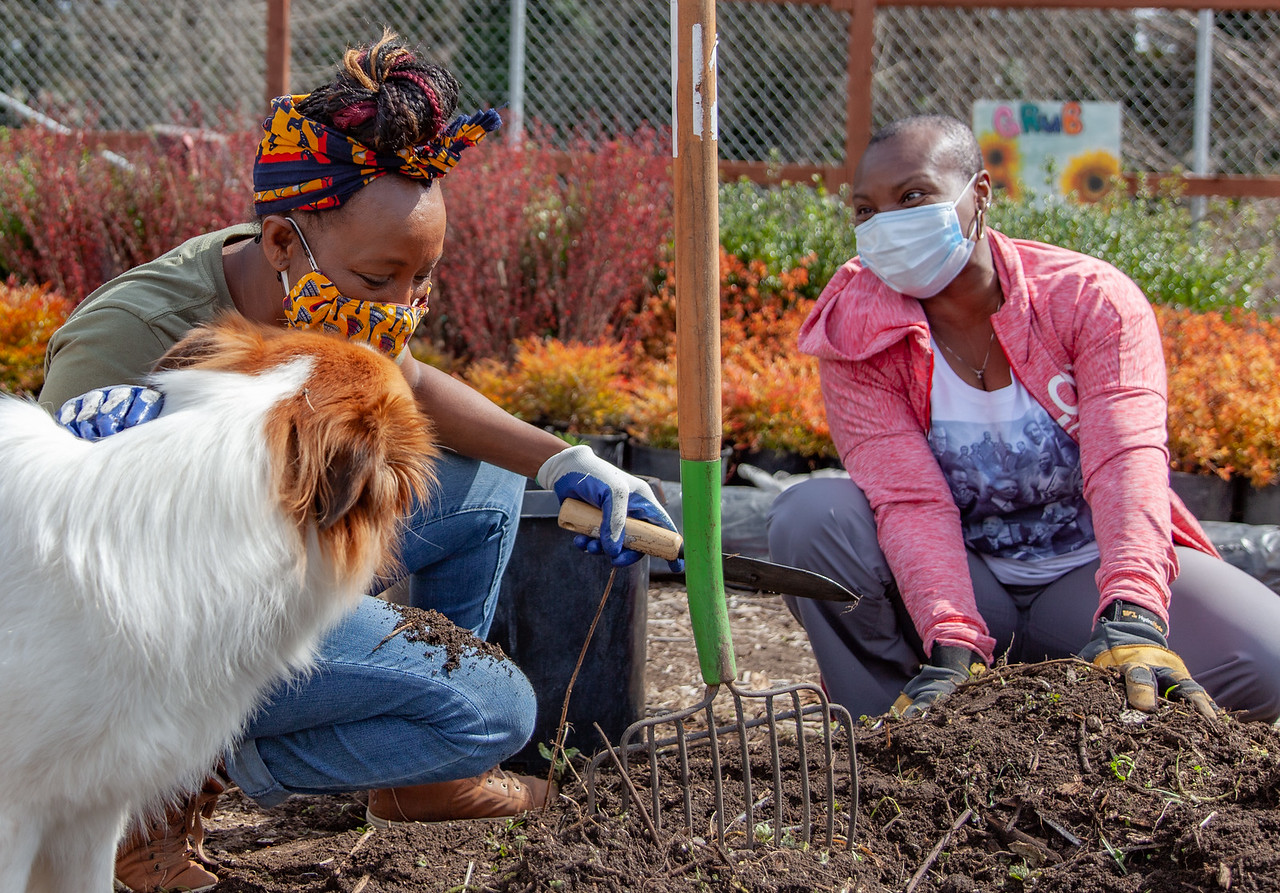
(858, 316)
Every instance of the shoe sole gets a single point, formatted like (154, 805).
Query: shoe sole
(384, 824)
(121, 888)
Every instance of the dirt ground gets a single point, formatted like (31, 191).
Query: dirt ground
(1029, 778)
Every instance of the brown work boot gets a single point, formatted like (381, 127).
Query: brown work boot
(164, 854)
(494, 794)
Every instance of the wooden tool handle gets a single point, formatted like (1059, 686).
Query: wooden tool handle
(580, 517)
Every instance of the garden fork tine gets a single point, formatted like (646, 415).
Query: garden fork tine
(714, 642)
(642, 738)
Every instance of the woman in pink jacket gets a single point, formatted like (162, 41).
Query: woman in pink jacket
(1047, 364)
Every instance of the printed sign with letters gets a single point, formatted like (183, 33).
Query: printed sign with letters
(1049, 148)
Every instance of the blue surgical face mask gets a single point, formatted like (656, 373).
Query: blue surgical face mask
(916, 251)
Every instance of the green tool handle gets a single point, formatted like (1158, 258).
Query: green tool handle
(708, 616)
(704, 570)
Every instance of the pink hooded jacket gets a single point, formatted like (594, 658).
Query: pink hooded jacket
(1081, 337)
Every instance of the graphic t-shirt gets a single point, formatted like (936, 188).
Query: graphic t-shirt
(1015, 476)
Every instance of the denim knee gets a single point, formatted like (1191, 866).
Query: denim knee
(496, 722)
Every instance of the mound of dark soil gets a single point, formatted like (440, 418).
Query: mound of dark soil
(1031, 777)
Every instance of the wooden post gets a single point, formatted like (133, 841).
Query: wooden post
(861, 50)
(278, 49)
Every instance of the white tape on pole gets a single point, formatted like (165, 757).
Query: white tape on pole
(715, 75)
(697, 79)
(675, 76)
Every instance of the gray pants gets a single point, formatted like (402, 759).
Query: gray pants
(1223, 623)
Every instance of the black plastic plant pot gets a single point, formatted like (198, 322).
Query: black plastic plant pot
(550, 594)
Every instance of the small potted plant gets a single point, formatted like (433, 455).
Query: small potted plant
(775, 414)
(653, 444)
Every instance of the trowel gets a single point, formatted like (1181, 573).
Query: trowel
(739, 570)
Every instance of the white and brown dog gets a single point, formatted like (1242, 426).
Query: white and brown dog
(155, 584)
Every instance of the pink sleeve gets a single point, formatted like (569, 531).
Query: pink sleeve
(1120, 379)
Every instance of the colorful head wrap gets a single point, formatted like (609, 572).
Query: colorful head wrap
(304, 165)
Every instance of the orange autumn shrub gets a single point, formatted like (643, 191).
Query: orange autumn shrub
(653, 409)
(771, 394)
(573, 387)
(29, 314)
(749, 295)
(774, 403)
(772, 400)
(1224, 393)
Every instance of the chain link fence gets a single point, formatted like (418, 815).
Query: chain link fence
(132, 64)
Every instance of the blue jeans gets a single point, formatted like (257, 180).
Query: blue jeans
(366, 718)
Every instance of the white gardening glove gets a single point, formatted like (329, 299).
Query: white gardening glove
(579, 473)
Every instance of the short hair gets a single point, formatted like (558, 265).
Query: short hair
(956, 143)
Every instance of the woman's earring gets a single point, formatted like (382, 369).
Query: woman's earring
(981, 224)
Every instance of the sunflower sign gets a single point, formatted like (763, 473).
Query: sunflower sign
(1040, 149)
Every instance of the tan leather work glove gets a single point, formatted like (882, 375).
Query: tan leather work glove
(1132, 639)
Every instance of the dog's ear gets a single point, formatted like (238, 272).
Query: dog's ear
(345, 477)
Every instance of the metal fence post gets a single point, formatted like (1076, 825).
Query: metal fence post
(1203, 93)
(519, 11)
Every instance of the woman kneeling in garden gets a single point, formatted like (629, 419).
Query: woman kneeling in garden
(1001, 408)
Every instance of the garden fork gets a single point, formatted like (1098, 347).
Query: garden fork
(697, 278)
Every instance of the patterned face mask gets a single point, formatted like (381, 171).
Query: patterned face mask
(314, 302)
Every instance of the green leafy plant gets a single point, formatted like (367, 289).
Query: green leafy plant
(1116, 855)
(1153, 239)
(786, 227)
(1122, 766)
(562, 759)
(1021, 872)
(506, 841)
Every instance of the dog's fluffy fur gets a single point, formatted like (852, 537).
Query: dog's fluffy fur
(155, 584)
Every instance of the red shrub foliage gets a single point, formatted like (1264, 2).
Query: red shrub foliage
(553, 245)
(70, 217)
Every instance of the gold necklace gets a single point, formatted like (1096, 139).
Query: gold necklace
(981, 372)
